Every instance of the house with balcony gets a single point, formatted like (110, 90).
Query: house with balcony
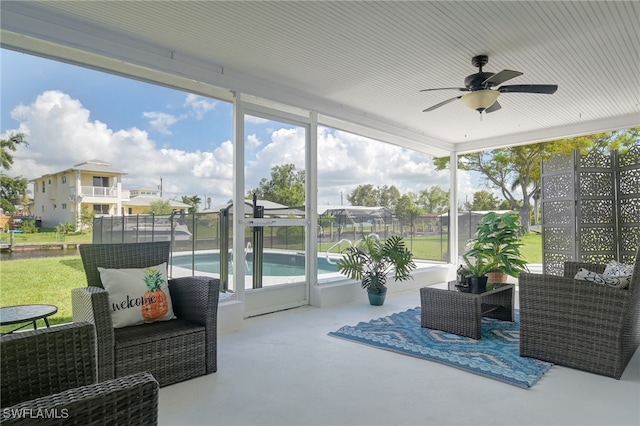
(60, 197)
(93, 185)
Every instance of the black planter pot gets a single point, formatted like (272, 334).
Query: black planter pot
(478, 284)
(376, 297)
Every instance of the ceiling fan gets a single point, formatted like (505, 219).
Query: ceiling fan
(483, 96)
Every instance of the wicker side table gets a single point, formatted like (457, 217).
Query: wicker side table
(460, 312)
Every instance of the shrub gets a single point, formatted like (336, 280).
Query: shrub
(29, 226)
(65, 228)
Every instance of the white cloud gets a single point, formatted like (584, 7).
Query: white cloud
(161, 121)
(199, 105)
(346, 160)
(61, 134)
(253, 141)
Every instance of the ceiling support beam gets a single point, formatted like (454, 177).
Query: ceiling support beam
(554, 133)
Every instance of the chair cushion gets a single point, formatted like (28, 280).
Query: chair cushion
(137, 295)
(148, 333)
(617, 282)
(172, 351)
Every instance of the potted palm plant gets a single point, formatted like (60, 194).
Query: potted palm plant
(498, 237)
(371, 260)
(475, 268)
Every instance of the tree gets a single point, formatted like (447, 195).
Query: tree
(363, 195)
(326, 219)
(407, 208)
(160, 207)
(13, 190)
(285, 187)
(388, 196)
(504, 205)
(515, 171)
(482, 200)
(434, 199)
(370, 196)
(10, 145)
(193, 201)
(86, 217)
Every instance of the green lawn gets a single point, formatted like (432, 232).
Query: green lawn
(431, 247)
(532, 248)
(50, 237)
(47, 280)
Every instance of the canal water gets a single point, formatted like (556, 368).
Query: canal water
(30, 254)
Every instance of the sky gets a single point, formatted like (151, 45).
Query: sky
(71, 114)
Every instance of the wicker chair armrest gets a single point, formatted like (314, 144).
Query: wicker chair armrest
(569, 298)
(91, 304)
(50, 360)
(195, 299)
(129, 400)
(571, 268)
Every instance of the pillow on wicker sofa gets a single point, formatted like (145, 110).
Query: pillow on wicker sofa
(617, 269)
(617, 282)
(137, 296)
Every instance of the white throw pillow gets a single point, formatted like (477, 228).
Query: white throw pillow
(617, 282)
(617, 269)
(137, 296)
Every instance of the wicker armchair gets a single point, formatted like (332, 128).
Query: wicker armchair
(580, 324)
(172, 351)
(49, 378)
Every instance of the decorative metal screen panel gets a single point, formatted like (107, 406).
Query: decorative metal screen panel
(596, 219)
(628, 180)
(590, 208)
(558, 213)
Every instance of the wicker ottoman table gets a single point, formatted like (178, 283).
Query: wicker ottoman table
(456, 311)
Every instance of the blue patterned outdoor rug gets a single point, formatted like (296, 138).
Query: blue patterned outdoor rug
(496, 355)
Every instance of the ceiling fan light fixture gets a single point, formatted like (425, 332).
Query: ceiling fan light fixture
(480, 100)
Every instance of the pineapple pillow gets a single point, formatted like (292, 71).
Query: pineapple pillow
(137, 296)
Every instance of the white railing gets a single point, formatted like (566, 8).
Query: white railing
(328, 253)
(349, 242)
(99, 191)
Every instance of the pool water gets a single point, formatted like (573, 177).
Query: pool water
(273, 265)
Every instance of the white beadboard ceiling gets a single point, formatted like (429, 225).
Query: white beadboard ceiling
(362, 63)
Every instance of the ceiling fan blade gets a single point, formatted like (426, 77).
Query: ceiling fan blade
(496, 106)
(501, 77)
(462, 89)
(441, 104)
(548, 89)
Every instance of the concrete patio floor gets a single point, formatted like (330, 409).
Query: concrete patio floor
(283, 369)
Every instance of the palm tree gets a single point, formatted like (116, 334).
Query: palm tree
(193, 201)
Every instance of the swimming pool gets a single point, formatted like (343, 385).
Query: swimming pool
(275, 264)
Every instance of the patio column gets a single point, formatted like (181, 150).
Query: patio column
(238, 195)
(311, 200)
(453, 208)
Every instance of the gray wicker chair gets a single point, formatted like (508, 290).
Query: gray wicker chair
(580, 324)
(172, 351)
(49, 378)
